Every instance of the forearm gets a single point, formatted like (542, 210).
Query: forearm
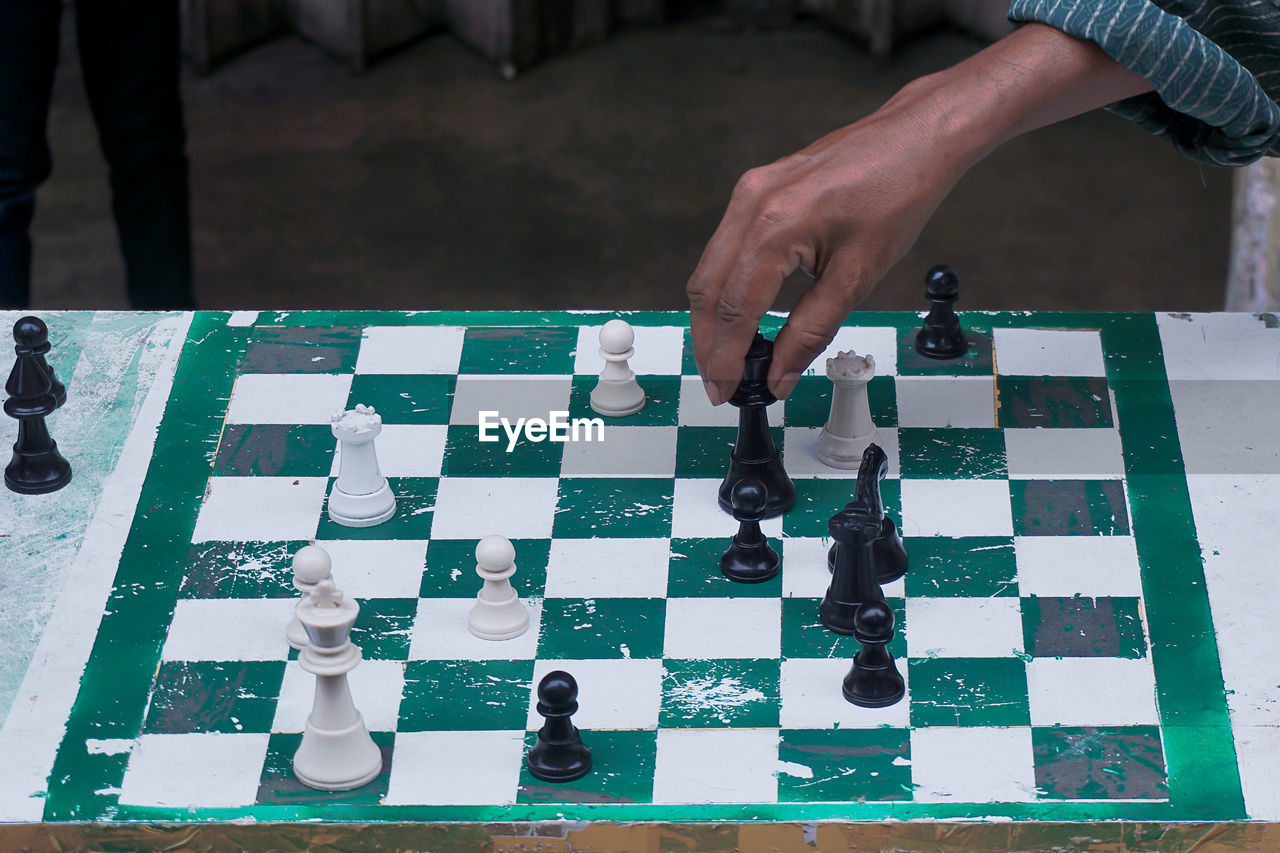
(1034, 77)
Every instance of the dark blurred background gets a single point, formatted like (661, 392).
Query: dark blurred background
(419, 154)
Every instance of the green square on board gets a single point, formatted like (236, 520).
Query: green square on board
(301, 349)
(715, 694)
(1053, 401)
(963, 567)
(415, 499)
(818, 499)
(405, 399)
(845, 765)
(622, 763)
(544, 349)
(977, 361)
(227, 697)
(451, 568)
(954, 453)
(384, 626)
(694, 572)
(1069, 508)
(465, 695)
(703, 451)
(627, 507)
(275, 450)
(1100, 763)
(1106, 626)
(240, 570)
(661, 401)
(466, 456)
(804, 635)
(599, 628)
(969, 692)
(279, 787)
(809, 404)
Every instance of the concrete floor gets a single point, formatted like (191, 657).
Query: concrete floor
(595, 180)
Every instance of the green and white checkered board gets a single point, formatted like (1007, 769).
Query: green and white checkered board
(1022, 628)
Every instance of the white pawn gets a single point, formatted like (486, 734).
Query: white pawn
(361, 496)
(849, 429)
(336, 753)
(497, 613)
(617, 393)
(311, 565)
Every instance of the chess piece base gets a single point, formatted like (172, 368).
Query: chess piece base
(873, 686)
(362, 510)
(617, 398)
(747, 564)
(559, 762)
(337, 760)
(840, 452)
(941, 344)
(498, 620)
(37, 473)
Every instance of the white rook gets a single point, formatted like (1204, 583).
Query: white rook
(336, 753)
(361, 496)
(849, 429)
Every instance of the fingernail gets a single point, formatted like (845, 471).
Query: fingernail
(713, 393)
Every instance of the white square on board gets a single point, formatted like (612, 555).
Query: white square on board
(1093, 454)
(376, 687)
(377, 568)
(511, 396)
(1219, 346)
(260, 509)
(1049, 352)
(956, 508)
(405, 450)
(1092, 692)
(716, 766)
(1256, 750)
(705, 628)
(440, 632)
(696, 410)
(800, 453)
(288, 398)
(812, 699)
(410, 349)
(988, 627)
(1090, 566)
(476, 507)
(229, 629)
(659, 350)
(608, 568)
(946, 401)
(696, 513)
(805, 574)
(455, 768)
(973, 765)
(627, 451)
(200, 770)
(612, 694)
(880, 342)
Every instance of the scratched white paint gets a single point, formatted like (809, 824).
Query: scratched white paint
(659, 351)
(607, 568)
(132, 359)
(812, 699)
(708, 628)
(202, 770)
(716, 766)
(456, 768)
(944, 770)
(410, 349)
(1048, 352)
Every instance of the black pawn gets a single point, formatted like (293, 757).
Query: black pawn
(874, 681)
(559, 754)
(36, 467)
(754, 454)
(855, 529)
(34, 329)
(941, 336)
(889, 552)
(749, 558)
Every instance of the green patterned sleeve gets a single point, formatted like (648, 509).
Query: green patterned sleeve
(1215, 67)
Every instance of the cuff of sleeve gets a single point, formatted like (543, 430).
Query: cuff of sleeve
(1205, 102)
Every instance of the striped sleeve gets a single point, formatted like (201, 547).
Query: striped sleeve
(1215, 67)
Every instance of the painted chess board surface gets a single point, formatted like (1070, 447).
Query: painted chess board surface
(1053, 628)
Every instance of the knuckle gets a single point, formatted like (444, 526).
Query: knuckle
(810, 340)
(752, 183)
(730, 309)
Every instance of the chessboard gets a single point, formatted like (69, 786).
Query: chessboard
(1053, 628)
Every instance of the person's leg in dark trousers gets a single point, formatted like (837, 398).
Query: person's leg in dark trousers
(28, 56)
(129, 52)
